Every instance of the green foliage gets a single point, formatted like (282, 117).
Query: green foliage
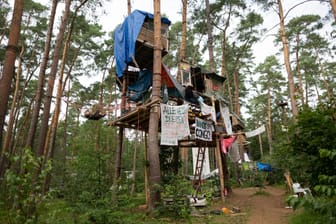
(22, 191)
(323, 205)
(175, 202)
(169, 163)
(307, 217)
(315, 130)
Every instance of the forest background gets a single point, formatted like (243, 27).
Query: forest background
(49, 150)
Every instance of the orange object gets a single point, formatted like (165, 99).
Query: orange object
(226, 210)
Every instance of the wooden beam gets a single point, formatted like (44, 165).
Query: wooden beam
(220, 168)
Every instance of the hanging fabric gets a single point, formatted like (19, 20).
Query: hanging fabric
(206, 109)
(234, 152)
(226, 117)
(226, 143)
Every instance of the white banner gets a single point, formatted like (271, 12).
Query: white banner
(208, 110)
(226, 117)
(206, 162)
(255, 132)
(203, 129)
(174, 123)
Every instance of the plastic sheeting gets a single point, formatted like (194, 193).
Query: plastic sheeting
(125, 37)
(264, 167)
(141, 86)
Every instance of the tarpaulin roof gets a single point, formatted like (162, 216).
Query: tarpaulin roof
(125, 37)
(174, 87)
(144, 81)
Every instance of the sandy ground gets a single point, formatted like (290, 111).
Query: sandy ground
(256, 206)
(263, 206)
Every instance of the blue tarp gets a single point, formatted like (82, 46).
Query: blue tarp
(125, 37)
(142, 85)
(264, 167)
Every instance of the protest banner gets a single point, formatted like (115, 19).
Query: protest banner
(203, 129)
(174, 123)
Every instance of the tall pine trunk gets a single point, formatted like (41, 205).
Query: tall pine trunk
(50, 146)
(210, 37)
(183, 45)
(223, 65)
(41, 78)
(269, 119)
(117, 167)
(13, 109)
(8, 70)
(290, 77)
(51, 81)
(153, 146)
(298, 70)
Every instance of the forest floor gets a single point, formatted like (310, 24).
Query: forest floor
(255, 206)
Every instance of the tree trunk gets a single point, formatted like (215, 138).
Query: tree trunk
(117, 167)
(210, 38)
(8, 67)
(223, 66)
(146, 173)
(60, 89)
(220, 169)
(8, 71)
(134, 162)
(153, 147)
(260, 146)
(284, 41)
(13, 109)
(51, 81)
(183, 39)
(41, 78)
(226, 173)
(325, 80)
(298, 70)
(236, 91)
(65, 139)
(129, 7)
(183, 150)
(269, 121)
(6, 146)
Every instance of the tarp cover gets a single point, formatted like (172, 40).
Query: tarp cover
(125, 37)
(264, 167)
(144, 81)
(141, 85)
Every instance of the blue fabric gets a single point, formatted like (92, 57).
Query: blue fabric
(143, 82)
(125, 37)
(141, 86)
(264, 167)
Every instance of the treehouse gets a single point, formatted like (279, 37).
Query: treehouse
(208, 83)
(134, 41)
(144, 44)
(193, 112)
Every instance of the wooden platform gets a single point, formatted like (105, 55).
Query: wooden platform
(137, 118)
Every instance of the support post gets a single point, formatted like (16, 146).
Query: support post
(220, 168)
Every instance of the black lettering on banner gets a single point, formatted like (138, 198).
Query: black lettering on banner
(198, 133)
(203, 134)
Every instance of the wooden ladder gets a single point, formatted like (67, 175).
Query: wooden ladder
(198, 171)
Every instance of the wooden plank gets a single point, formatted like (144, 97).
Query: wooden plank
(220, 169)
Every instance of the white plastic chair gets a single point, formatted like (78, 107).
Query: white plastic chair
(297, 189)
